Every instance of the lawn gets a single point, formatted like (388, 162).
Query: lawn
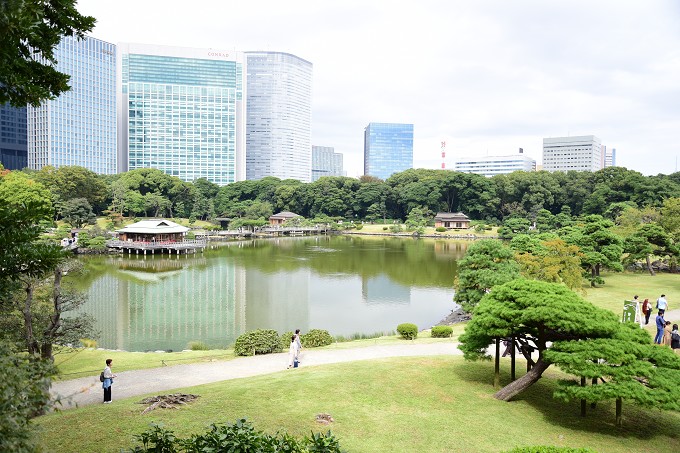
(432, 404)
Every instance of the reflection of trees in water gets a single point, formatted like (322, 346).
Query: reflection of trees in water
(410, 262)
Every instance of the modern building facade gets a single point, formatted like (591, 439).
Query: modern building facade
(388, 149)
(610, 157)
(182, 111)
(580, 153)
(495, 165)
(279, 116)
(78, 127)
(326, 162)
(13, 139)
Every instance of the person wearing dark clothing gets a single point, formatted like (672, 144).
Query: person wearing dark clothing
(647, 310)
(675, 339)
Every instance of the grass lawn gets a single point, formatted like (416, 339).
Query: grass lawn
(378, 228)
(432, 404)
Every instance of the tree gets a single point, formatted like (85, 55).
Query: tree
(78, 212)
(30, 30)
(70, 182)
(486, 264)
(627, 365)
(534, 314)
(650, 239)
(24, 393)
(416, 220)
(551, 260)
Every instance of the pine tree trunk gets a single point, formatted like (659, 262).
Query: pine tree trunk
(497, 365)
(521, 384)
(31, 344)
(649, 266)
(55, 319)
(619, 407)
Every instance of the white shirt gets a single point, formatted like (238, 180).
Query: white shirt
(661, 303)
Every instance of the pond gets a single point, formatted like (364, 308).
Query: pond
(345, 284)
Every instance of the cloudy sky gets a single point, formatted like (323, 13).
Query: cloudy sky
(485, 76)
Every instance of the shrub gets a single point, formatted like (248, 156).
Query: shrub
(359, 226)
(442, 331)
(198, 346)
(88, 343)
(97, 243)
(396, 228)
(440, 229)
(408, 331)
(315, 338)
(385, 228)
(284, 340)
(261, 341)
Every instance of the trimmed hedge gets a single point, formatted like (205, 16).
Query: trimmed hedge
(261, 341)
(440, 229)
(316, 338)
(284, 340)
(442, 331)
(408, 331)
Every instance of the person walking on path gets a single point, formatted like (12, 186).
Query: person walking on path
(660, 324)
(293, 352)
(108, 381)
(661, 303)
(299, 344)
(675, 339)
(646, 309)
(666, 340)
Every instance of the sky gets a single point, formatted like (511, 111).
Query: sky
(486, 77)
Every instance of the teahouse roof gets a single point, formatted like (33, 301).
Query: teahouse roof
(451, 216)
(154, 226)
(285, 215)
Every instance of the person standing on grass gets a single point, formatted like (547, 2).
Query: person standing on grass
(293, 352)
(675, 339)
(660, 324)
(108, 381)
(646, 309)
(666, 340)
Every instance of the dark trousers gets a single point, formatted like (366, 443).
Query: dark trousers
(107, 394)
(647, 316)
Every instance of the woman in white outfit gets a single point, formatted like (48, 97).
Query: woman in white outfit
(293, 351)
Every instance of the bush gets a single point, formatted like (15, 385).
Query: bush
(442, 331)
(239, 436)
(549, 449)
(97, 243)
(261, 341)
(408, 331)
(284, 340)
(385, 228)
(359, 226)
(440, 229)
(198, 346)
(315, 338)
(396, 228)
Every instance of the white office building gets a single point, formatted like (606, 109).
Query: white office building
(579, 153)
(79, 126)
(279, 116)
(495, 165)
(326, 162)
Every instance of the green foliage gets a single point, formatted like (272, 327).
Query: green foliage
(24, 393)
(385, 228)
(486, 264)
(316, 338)
(198, 346)
(440, 229)
(358, 226)
(261, 341)
(239, 436)
(441, 331)
(549, 449)
(408, 331)
(284, 340)
(396, 228)
(30, 27)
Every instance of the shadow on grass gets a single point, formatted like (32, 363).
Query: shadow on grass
(637, 422)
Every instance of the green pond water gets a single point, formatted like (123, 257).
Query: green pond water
(344, 284)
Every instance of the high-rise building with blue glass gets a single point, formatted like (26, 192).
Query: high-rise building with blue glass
(182, 111)
(326, 162)
(279, 125)
(13, 140)
(78, 127)
(388, 149)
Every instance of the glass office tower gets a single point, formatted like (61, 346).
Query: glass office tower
(13, 140)
(279, 129)
(388, 149)
(181, 111)
(78, 127)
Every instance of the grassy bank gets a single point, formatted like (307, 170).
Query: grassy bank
(433, 404)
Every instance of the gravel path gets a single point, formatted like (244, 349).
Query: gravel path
(88, 390)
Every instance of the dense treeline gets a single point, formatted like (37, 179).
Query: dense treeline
(150, 192)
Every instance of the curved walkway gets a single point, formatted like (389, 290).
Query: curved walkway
(88, 390)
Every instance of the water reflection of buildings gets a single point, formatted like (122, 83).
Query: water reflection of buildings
(164, 304)
(380, 290)
(278, 301)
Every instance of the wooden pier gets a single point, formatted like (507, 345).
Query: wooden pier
(169, 247)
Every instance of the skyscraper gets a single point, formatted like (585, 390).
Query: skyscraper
(78, 127)
(610, 158)
(181, 111)
(580, 153)
(279, 110)
(388, 149)
(13, 140)
(326, 162)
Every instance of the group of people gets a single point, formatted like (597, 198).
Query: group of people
(665, 333)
